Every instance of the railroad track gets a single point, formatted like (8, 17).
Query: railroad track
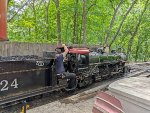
(80, 94)
(139, 68)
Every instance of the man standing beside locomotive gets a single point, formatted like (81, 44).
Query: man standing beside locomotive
(60, 69)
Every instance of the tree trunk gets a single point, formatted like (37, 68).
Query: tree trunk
(25, 4)
(35, 19)
(119, 28)
(88, 9)
(84, 22)
(58, 21)
(85, 13)
(29, 31)
(66, 36)
(47, 19)
(79, 40)
(137, 50)
(146, 51)
(112, 21)
(136, 29)
(75, 27)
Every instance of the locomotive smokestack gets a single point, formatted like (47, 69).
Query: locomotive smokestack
(3, 20)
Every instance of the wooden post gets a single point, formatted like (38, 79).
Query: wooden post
(3, 20)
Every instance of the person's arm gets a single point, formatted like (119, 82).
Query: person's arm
(66, 50)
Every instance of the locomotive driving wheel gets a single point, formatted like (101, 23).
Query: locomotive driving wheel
(84, 81)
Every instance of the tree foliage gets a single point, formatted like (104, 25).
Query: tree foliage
(117, 23)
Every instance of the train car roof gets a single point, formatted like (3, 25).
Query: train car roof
(79, 50)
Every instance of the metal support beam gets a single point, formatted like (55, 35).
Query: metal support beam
(3, 20)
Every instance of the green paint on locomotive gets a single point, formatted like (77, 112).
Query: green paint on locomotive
(103, 58)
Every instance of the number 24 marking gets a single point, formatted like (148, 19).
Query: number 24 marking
(5, 84)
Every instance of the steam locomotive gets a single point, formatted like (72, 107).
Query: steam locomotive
(26, 76)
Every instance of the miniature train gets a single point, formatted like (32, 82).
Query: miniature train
(26, 76)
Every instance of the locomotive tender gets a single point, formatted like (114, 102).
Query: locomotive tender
(26, 76)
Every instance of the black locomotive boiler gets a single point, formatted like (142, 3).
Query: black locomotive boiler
(26, 76)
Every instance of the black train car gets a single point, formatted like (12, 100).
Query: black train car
(26, 76)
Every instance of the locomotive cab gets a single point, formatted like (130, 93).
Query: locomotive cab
(83, 60)
(77, 58)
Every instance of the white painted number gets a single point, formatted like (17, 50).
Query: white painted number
(14, 84)
(5, 83)
(39, 63)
